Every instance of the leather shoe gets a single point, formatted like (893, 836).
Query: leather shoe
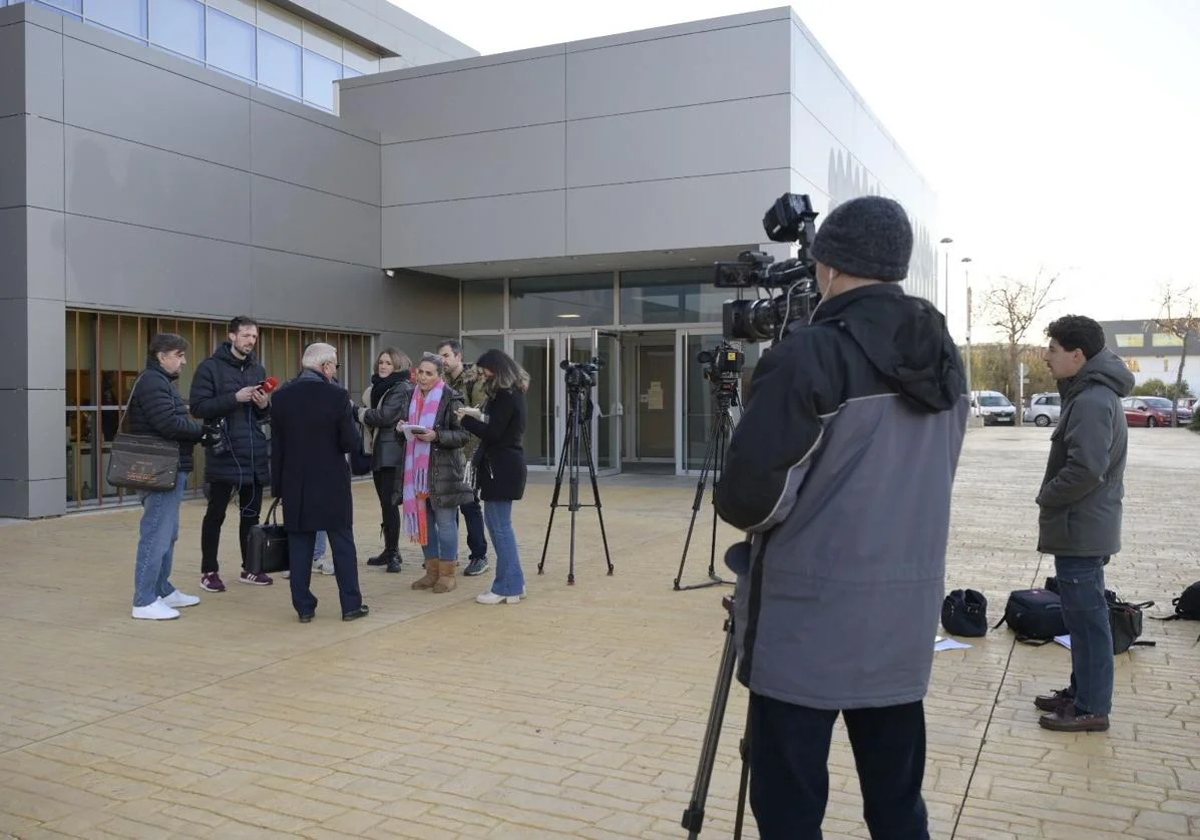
(393, 565)
(1053, 702)
(358, 613)
(305, 618)
(1065, 720)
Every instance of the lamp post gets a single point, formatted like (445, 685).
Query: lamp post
(946, 240)
(967, 275)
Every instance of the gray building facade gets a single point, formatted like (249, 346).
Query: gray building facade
(560, 203)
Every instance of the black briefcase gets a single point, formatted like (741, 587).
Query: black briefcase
(267, 545)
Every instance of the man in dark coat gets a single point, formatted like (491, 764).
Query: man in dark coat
(226, 393)
(312, 431)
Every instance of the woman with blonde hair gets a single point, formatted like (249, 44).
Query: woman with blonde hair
(384, 403)
(500, 469)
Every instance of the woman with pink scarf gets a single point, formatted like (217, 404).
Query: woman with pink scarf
(432, 485)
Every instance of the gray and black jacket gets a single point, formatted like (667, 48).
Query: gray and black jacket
(841, 468)
(1080, 499)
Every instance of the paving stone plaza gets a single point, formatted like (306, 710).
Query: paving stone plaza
(579, 712)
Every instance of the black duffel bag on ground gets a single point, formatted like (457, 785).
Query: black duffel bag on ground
(1035, 615)
(964, 613)
(267, 546)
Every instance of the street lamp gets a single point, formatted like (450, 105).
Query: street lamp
(967, 275)
(946, 240)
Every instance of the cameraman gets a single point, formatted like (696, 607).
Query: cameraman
(841, 471)
(226, 395)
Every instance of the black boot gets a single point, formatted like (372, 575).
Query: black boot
(380, 559)
(394, 562)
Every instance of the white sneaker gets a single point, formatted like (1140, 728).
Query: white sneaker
(179, 599)
(323, 566)
(493, 598)
(158, 611)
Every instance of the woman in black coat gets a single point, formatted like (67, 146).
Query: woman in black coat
(384, 403)
(500, 466)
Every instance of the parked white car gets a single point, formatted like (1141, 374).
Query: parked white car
(993, 407)
(1043, 409)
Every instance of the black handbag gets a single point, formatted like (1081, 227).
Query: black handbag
(141, 462)
(267, 545)
(964, 613)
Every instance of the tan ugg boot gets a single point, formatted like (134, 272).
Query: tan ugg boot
(446, 581)
(431, 576)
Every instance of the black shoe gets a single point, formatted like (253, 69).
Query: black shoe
(394, 564)
(305, 618)
(384, 558)
(358, 613)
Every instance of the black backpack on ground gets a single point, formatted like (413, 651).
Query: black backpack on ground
(964, 613)
(1187, 606)
(1035, 615)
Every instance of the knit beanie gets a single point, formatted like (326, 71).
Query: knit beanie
(868, 237)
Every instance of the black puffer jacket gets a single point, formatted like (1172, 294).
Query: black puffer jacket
(389, 444)
(155, 408)
(448, 487)
(500, 470)
(217, 381)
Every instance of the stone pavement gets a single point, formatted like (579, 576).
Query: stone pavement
(577, 713)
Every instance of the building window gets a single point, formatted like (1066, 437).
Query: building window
(71, 8)
(579, 300)
(125, 16)
(671, 296)
(230, 45)
(349, 72)
(278, 64)
(178, 26)
(319, 75)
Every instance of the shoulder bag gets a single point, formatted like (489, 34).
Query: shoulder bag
(141, 462)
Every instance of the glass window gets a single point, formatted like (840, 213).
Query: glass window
(230, 44)
(127, 16)
(474, 346)
(72, 8)
(482, 305)
(319, 75)
(178, 26)
(578, 300)
(278, 64)
(671, 296)
(349, 72)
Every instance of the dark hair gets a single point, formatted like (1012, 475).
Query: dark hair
(399, 359)
(506, 373)
(165, 343)
(454, 346)
(1077, 332)
(236, 324)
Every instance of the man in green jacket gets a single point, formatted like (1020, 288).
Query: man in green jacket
(1080, 518)
(467, 381)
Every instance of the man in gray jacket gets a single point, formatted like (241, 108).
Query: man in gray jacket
(841, 470)
(1080, 518)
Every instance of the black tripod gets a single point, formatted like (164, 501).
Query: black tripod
(714, 462)
(693, 817)
(577, 446)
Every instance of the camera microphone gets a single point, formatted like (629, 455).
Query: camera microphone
(269, 384)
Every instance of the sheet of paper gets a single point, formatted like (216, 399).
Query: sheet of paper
(1065, 641)
(950, 644)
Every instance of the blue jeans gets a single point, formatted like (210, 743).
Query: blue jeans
(158, 531)
(322, 543)
(443, 533)
(510, 580)
(1085, 612)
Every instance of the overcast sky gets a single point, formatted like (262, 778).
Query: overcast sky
(1058, 134)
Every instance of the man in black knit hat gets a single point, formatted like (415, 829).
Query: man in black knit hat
(840, 471)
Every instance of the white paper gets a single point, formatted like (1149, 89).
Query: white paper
(1065, 641)
(410, 429)
(950, 644)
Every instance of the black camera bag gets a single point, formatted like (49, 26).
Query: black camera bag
(964, 613)
(1035, 615)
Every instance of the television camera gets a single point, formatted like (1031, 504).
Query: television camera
(723, 370)
(580, 376)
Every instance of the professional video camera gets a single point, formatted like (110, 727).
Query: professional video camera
(723, 369)
(214, 439)
(790, 219)
(581, 375)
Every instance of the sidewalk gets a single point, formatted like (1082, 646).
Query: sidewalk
(579, 712)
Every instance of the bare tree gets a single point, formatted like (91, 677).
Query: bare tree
(1178, 316)
(1012, 305)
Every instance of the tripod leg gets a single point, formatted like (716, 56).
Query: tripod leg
(562, 462)
(587, 446)
(573, 438)
(722, 440)
(744, 784)
(709, 457)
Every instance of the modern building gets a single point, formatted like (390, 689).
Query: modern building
(1153, 353)
(342, 171)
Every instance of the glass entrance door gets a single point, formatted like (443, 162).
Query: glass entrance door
(536, 355)
(606, 425)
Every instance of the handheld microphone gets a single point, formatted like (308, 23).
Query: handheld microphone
(269, 384)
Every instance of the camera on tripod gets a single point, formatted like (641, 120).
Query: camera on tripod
(790, 219)
(581, 375)
(723, 370)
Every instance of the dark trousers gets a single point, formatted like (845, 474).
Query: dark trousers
(345, 569)
(476, 535)
(789, 774)
(249, 506)
(385, 485)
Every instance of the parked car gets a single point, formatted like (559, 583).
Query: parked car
(1043, 409)
(1152, 411)
(993, 407)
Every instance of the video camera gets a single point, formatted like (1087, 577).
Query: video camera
(215, 439)
(723, 369)
(790, 219)
(581, 375)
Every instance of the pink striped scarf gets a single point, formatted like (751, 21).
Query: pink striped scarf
(422, 411)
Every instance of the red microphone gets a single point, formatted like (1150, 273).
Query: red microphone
(269, 384)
